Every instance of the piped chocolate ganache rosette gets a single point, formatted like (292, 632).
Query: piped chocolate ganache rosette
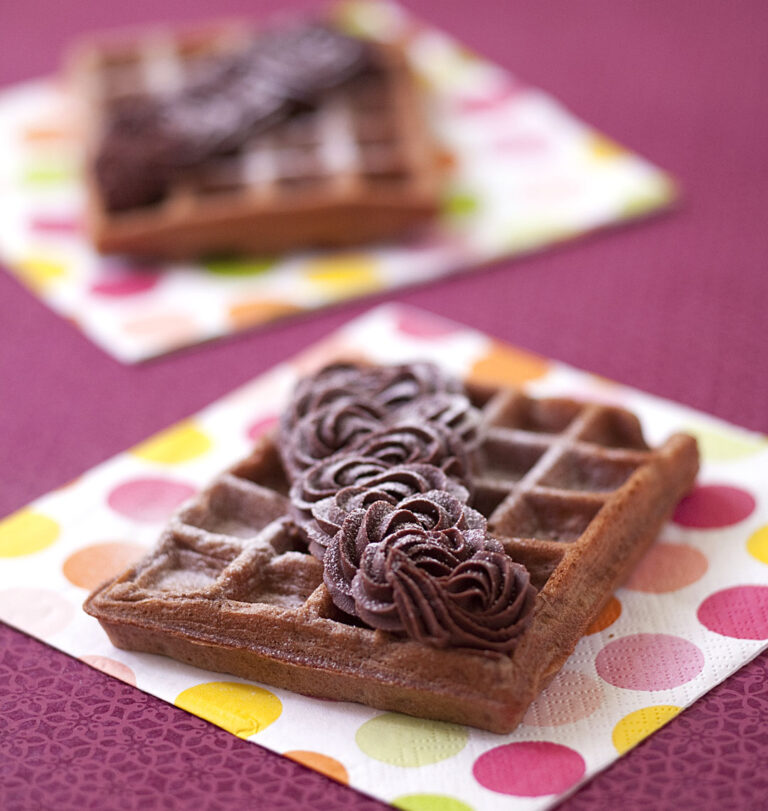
(342, 405)
(379, 460)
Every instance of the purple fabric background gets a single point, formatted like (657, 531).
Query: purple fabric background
(676, 306)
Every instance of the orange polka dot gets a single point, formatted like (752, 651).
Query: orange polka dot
(507, 366)
(163, 329)
(668, 567)
(607, 616)
(334, 350)
(47, 134)
(603, 148)
(328, 766)
(250, 312)
(111, 668)
(95, 564)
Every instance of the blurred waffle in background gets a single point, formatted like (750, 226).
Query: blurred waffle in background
(232, 139)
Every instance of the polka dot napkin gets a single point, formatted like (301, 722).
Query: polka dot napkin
(694, 610)
(522, 173)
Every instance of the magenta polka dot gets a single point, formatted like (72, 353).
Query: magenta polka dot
(417, 325)
(529, 769)
(125, 282)
(649, 662)
(492, 100)
(149, 500)
(714, 505)
(260, 427)
(740, 612)
(522, 144)
(56, 225)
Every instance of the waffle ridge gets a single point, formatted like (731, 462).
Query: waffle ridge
(359, 166)
(570, 489)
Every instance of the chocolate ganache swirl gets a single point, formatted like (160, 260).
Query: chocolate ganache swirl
(335, 410)
(442, 582)
(403, 444)
(393, 486)
(334, 427)
(426, 443)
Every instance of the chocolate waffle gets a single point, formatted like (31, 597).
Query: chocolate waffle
(570, 490)
(230, 140)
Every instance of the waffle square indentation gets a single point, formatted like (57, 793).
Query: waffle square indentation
(576, 470)
(546, 517)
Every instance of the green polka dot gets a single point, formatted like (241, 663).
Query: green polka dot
(404, 741)
(430, 802)
(722, 445)
(461, 204)
(226, 266)
(48, 175)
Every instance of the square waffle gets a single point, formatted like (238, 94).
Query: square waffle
(357, 164)
(570, 489)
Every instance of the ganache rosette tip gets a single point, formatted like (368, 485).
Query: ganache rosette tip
(428, 495)
(336, 409)
(444, 583)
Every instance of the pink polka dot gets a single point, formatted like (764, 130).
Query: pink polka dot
(124, 282)
(111, 668)
(529, 769)
(714, 505)
(668, 567)
(149, 500)
(39, 612)
(522, 144)
(740, 612)
(649, 662)
(164, 330)
(55, 225)
(260, 427)
(490, 101)
(570, 697)
(418, 325)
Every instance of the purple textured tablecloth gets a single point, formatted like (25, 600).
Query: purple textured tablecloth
(676, 306)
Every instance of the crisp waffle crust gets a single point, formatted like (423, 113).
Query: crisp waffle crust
(570, 489)
(360, 166)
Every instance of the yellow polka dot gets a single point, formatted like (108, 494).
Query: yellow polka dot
(528, 236)
(242, 709)
(40, 272)
(345, 275)
(26, 532)
(324, 764)
(179, 444)
(723, 446)
(660, 193)
(604, 149)
(639, 724)
(505, 365)
(757, 545)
